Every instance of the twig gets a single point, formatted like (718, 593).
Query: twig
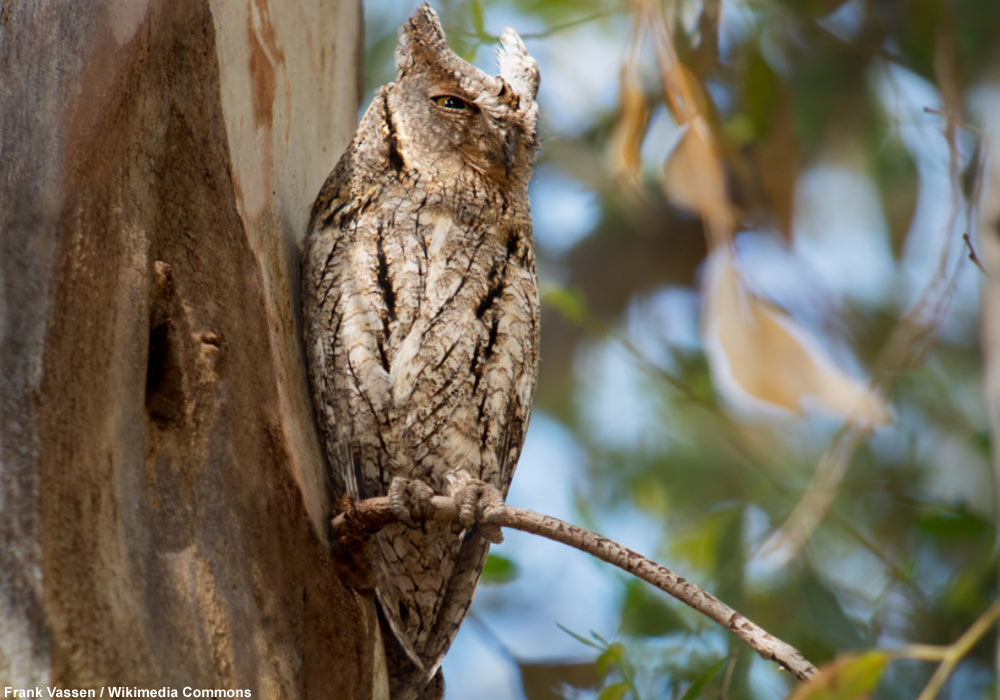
(954, 653)
(570, 24)
(788, 540)
(972, 254)
(374, 513)
(958, 122)
(487, 38)
(728, 678)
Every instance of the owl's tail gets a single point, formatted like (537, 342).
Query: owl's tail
(407, 680)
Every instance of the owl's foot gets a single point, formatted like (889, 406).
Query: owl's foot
(410, 500)
(478, 503)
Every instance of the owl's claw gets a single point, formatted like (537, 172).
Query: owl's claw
(478, 504)
(410, 500)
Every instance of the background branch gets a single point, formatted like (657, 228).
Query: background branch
(374, 513)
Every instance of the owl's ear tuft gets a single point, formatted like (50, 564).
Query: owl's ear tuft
(517, 67)
(421, 41)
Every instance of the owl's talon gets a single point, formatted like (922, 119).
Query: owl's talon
(466, 500)
(492, 505)
(410, 500)
(491, 532)
(478, 504)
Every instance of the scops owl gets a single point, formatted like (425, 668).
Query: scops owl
(422, 321)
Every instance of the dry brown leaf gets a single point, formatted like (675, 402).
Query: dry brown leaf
(761, 358)
(693, 175)
(693, 178)
(625, 143)
(686, 96)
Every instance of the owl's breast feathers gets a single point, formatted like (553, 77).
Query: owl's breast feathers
(434, 326)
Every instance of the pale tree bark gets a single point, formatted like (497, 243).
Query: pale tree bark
(162, 506)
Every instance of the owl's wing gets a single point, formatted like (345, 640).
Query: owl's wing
(523, 290)
(345, 208)
(348, 419)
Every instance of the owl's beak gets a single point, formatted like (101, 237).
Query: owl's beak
(510, 146)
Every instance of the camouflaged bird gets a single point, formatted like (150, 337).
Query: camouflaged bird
(422, 322)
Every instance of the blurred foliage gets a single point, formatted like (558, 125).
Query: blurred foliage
(498, 570)
(847, 678)
(906, 554)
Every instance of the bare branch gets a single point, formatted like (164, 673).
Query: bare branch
(972, 253)
(374, 513)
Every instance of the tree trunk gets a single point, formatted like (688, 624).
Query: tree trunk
(162, 499)
(988, 254)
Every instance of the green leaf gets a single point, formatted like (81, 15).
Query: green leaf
(968, 592)
(570, 302)
(849, 677)
(646, 613)
(761, 93)
(610, 657)
(822, 611)
(917, 35)
(478, 21)
(728, 565)
(952, 523)
(498, 570)
(817, 88)
(896, 175)
(579, 638)
(983, 442)
(694, 690)
(615, 691)
(698, 544)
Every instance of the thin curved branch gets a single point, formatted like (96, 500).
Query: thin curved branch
(374, 513)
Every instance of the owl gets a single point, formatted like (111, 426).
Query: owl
(421, 323)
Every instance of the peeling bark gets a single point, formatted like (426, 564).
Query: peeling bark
(162, 502)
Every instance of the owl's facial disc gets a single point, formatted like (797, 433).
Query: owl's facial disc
(471, 121)
(482, 134)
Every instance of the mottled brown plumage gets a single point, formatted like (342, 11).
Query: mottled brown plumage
(421, 318)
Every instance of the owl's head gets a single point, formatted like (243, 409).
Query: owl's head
(448, 116)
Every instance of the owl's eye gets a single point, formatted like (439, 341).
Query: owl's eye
(452, 103)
